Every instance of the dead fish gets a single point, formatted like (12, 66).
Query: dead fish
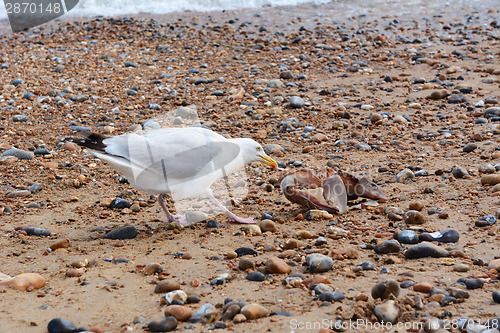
(304, 188)
(331, 194)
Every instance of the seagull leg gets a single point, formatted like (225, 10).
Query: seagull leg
(233, 217)
(171, 218)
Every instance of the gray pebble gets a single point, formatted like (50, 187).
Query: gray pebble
(20, 154)
(367, 266)
(319, 263)
(424, 250)
(408, 237)
(470, 147)
(37, 187)
(388, 246)
(296, 102)
(126, 232)
(32, 231)
(256, 276)
(405, 176)
(443, 236)
(385, 288)
(20, 118)
(474, 283)
(18, 194)
(17, 82)
(486, 220)
(335, 296)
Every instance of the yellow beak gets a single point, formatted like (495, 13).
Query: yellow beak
(269, 161)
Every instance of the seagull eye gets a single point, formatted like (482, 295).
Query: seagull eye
(258, 149)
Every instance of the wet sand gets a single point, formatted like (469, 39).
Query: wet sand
(364, 77)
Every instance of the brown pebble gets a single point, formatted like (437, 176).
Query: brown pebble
(439, 94)
(494, 264)
(64, 243)
(490, 179)
(231, 312)
(75, 272)
(416, 205)
(414, 217)
(180, 312)
(96, 329)
(254, 311)
(239, 318)
(276, 265)
(187, 256)
(245, 264)
(24, 282)
(166, 286)
(231, 255)
(436, 298)
(422, 287)
(152, 269)
(268, 225)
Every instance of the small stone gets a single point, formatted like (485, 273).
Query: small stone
(245, 264)
(459, 293)
(459, 172)
(439, 94)
(75, 272)
(487, 168)
(19, 118)
(24, 282)
(193, 216)
(461, 268)
(212, 224)
(368, 266)
(252, 230)
(496, 296)
(245, 251)
(388, 246)
(425, 249)
(414, 217)
(447, 300)
(296, 102)
(239, 318)
(399, 119)
(416, 205)
(319, 263)
(62, 244)
(126, 232)
(385, 288)
(490, 179)
(276, 265)
(152, 269)
(408, 237)
(135, 208)
(407, 284)
(256, 276)
(335, 296)
(422, 287)
(205, 315)
(474, 283)
(443, 236)
(20, 154)
(275, 84)
(494, 264)
(405, 176)
(254, 311)
(175, 295)
(166, 325)
(486, 220)
(470, 147)
(267, 225)
(120, 203)
(17, 82)
(231, 311)
(387, 312)
(35, 188)
(18, 194)
(130, 64)
(179, 312)
(166, 286)
(32, 231)
(59, 325)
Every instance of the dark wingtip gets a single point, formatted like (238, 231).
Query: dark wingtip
(88, 139)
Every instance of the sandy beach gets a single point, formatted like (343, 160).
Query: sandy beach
(407, 96)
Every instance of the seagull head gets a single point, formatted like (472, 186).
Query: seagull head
(253, 152)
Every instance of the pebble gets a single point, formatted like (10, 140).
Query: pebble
(496, 296)
(486, 220)
(494, 264)
(319, 263)
(407, 284)
(206, 314)
(267, 225)
(461, 268)
(62, 244)
(474, 283)
(447, 300)
(256, 276)
(17, 82)
(59, 325)
(166, 286)
(254, 311)
(414, 217)
(459, 172)
(20, 154)
(19, 118)
(275, 84)
(335, 296)
(408, 237)
(387, 312)
(120, 203)
(470, 147)
(422, 287)
(152, 269)
(443, 236)
(75, 272)
(18, 194)
(424, 250)
(368, 266)
(405, 176)
(213, 224)
(166, 325)
(245, 251)
(490, 179)
(126, 232)
(416, 205)
(388, 246)
(175, 295)
(179, 312)
(24, 282)
(276, 265)
(296, 102)
(32, 231)
(193, 216)
(385, 288)
(239, 318)
(487, 168)
(230, 311)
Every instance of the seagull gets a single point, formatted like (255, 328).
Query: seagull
(183, 162)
